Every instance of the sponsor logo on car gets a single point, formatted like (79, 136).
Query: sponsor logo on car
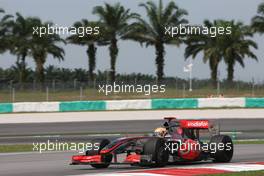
(197, 124)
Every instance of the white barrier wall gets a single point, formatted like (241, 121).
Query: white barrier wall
(175, 103)
(128, 104)
(220, 102)
(36, 107)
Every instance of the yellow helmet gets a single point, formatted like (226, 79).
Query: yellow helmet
(160, 131)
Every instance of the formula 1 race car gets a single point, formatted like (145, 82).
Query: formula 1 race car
(176, 141)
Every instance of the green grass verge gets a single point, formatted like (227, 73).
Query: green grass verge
(16, 148)
(249, 173)
(249, 142)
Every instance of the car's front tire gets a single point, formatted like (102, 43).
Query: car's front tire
(155, 147)
(100, 166)
(101, 143)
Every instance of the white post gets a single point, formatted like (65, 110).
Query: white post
(94, 83)
(188, 69)
(53, 84)
(183, 91)
(81, 93)
(34, 85)
(11, 84)
(47, 93)
(74, 83)
(190, 86)
(106, 76)
(176, 86)
(13, 94)
(218, 87)
(253, 88)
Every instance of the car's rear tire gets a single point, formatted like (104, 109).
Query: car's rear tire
(101, 143)
(155, 147)
(224, 154)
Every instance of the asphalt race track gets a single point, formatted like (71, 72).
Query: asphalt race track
(80, 131)
(117, 126)
(57, 164)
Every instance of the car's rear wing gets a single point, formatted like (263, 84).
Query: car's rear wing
(195, 124)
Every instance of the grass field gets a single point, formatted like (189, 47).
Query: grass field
(249, 173)
(249, 142)
(93, 94)
(16, 148)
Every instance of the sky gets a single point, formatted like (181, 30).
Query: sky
(133, 57)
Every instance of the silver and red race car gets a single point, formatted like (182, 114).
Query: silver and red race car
(176, 141)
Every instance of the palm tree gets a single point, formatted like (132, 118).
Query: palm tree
(209, 46)
(5, 26)
(257, 22)
(52, 72)
(232, 48)
(115, 19)
(89, 40)
(65, 74)
(152, 32)
(28, 74)
(43, 46)
(236, 46)
(22, 29)
(80, 74)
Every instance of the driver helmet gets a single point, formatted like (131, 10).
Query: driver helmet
(160, 132)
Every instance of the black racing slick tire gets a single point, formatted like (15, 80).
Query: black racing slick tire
(224, 148)
(101, 143)
(100, 166)
(155, 147)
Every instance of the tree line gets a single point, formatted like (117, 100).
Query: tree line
(65, 78)
(118, 23)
